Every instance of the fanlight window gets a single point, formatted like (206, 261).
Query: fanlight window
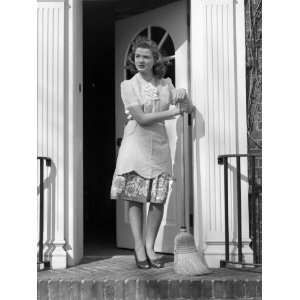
(165, 45)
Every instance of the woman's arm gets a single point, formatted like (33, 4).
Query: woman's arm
(145, 119)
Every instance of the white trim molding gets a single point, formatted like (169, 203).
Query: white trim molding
(218, 90)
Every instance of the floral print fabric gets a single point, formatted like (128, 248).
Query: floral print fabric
(133, 187)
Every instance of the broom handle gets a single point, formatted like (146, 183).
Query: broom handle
(185, 150)
(185, 165)
(183, 170)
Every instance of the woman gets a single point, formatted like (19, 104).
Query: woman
(144, 169)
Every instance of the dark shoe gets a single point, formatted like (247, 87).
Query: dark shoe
(155, 263)
(141, 264)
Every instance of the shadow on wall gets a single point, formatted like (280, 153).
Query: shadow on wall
(196, 133)
(199, 129)
(49, 210)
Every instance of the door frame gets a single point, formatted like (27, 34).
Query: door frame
(74, 218)
(70, 224)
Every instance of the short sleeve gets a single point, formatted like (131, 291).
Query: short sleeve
(171, 90)
(128, 95)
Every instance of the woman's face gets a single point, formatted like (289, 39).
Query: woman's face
(144, 60)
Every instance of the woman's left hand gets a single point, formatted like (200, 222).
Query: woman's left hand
(187, 107)
(179, 95)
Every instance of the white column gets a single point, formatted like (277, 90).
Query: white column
(51, 95)
(218, 92)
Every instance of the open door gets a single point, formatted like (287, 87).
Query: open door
(167, 26)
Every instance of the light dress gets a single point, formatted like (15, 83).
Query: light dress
(144, 166)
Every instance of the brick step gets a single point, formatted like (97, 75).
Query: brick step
(118, 278)
(132, 289)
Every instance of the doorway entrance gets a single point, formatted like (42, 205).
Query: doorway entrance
(104, 50)
(98, 126)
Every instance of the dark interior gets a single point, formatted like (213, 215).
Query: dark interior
(99, 117)
(98, 124)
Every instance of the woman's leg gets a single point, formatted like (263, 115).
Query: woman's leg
(135, 213)
(154, 218)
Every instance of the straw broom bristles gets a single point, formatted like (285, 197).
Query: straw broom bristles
(187, 260)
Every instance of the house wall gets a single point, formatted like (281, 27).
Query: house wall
(253, 34)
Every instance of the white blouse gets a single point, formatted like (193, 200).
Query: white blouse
(145, 149)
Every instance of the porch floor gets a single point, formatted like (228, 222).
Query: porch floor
(116, 277)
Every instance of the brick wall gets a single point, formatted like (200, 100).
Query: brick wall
(253, 33)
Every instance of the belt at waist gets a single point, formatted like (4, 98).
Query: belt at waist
(160, 122)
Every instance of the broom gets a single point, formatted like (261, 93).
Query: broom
(187, 260)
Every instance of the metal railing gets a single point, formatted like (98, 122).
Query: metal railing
(41, 223)
(255, 191)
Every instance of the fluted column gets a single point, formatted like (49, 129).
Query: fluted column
(51, 127)
(218, 92)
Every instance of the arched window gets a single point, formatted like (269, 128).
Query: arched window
(165, 45)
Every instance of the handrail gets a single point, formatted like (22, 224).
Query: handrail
(220, 157)
(41, 231)
(255, 189)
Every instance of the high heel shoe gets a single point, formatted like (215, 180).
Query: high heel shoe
(144, 264)
(155, 263)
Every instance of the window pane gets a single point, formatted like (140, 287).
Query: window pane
(167, 48)
(157, 33)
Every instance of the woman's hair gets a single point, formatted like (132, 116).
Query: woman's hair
(159, 67)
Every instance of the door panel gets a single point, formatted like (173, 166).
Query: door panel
(173, 19)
